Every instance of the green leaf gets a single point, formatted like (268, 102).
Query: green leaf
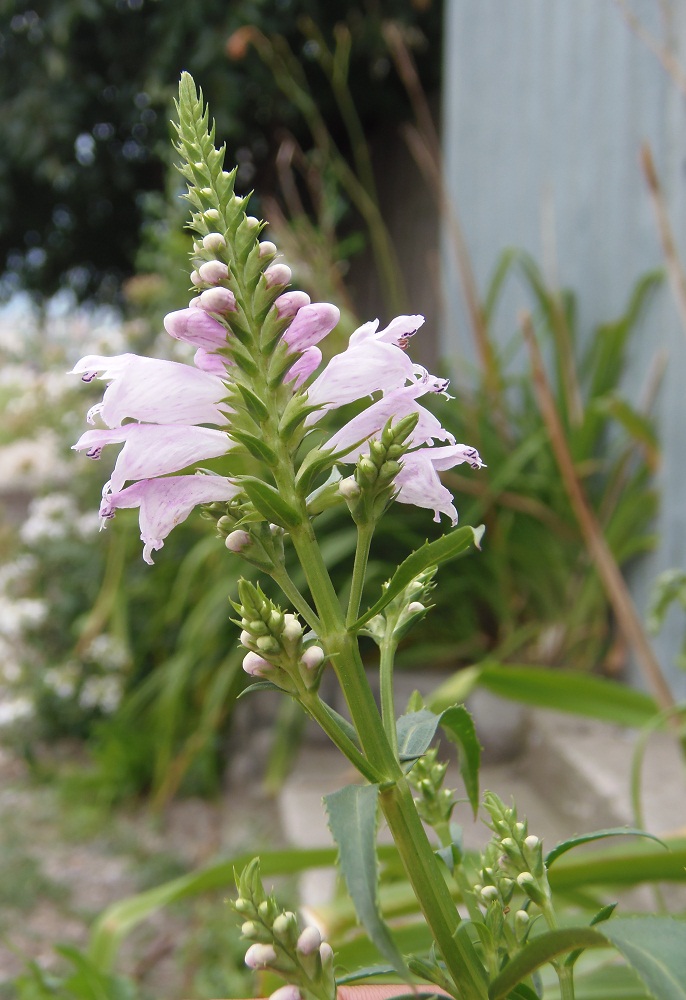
(540, 951)
(455, 543)
(636, 863)
(268, 502)
(359, 975)
(585, 838)
(458, 726)
(259, 686)
(254, 405)
(545, 687)
(415, 732)
(656, 948)
(258, 448)
(353, 817)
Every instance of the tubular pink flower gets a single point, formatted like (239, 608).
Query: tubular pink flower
(308, 362)
(152, 450)
(373, 360)
(289, 303)
(394, 405)
(166, 502)
(311, 324)
(153, 391)
(418, 480)
(196, 327)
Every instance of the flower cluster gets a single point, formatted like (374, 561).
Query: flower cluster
(280, 945)
(254, 389)
(275, 642)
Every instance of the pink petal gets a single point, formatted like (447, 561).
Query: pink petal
(155, 391)
(394, 405)
(214, 364)
(419, 484)
(311, 324)
(397, 331)
(151, 450)
(164, 503)
(359, 371)
(196, 327)
(217, 300)
(307, 363)
(213, 271)
(289, 303)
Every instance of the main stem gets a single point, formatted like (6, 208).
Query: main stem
(416, 853)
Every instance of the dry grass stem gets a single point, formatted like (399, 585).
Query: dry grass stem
(605, 563)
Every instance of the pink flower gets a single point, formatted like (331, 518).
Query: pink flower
(216, 300)
(300, 371)
(214, 364)
(197, 327)
(152, 450)
(418, 479)
(310, 325)
(373, 360)
(166, 502)
(153, 391)
(395, 405)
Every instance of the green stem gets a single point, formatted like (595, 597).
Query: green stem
(364, 541)
(313, 704)
(308, 614)
(387, 695)
(565, 973)
(433, 895)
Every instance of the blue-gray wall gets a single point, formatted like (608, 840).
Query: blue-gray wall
(546, 104)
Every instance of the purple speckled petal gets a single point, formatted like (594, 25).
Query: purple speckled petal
(152, 450)
(164, 503)
(197, 327)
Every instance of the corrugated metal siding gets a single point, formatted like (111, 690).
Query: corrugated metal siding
(546, 105)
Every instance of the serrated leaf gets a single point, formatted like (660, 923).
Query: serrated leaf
(268, 501)
(450, 546)
(458, 726)
(353, 817)
(586, 838)
(655, 947)
(540, 951)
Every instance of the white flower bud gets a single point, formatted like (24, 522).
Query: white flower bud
(532, 842)
(292, 630)
(309, 941)
(267, 248)
(237, 540)
(349, 488)
(212, 215)
(246, 638)
(213, 271)
(259, 956)
(326, 953)
(489, 893)
(277, 274)
(195, 278)
(252, 221)
(213, 242)
(414, 607)
(289, 992)
(312, 657)
(248, 929)
(255, 665)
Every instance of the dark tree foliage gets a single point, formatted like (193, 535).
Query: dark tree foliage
(85, 97)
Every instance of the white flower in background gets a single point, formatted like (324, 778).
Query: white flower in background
(15, 710)
(103, 693)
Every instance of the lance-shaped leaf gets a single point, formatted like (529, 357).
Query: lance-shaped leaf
(455, 543)
(268, 501)
(417, 729)
(540, 951)
(585, 838)
(353, 817)
(258, 448)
